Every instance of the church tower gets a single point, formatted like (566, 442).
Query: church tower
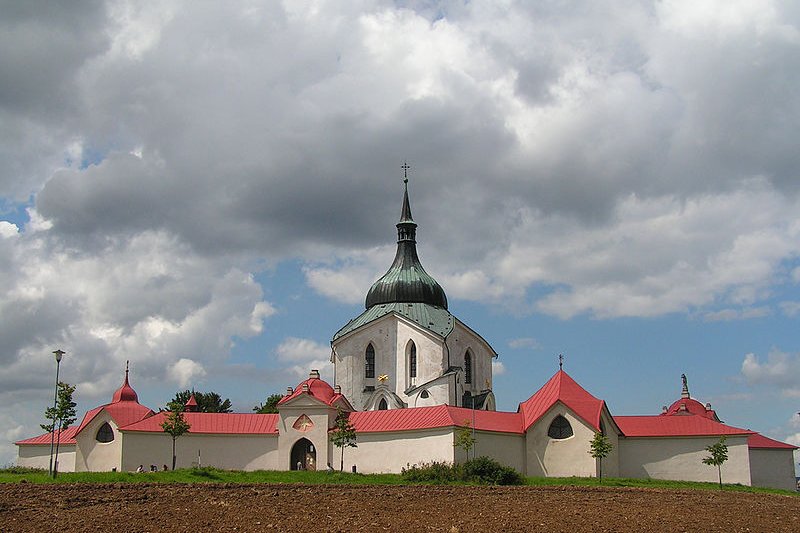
(406, 349)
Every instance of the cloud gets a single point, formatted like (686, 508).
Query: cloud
(790, 308)
(737, 314)
(524, 342)
(498, 368)
(780, 370)
(186, 372)
(305, 355)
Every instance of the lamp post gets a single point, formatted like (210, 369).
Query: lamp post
(59, 354)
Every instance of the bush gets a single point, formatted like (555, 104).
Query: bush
(433, 472)
(488, 471)
(481, 470)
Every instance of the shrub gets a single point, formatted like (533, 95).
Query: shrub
(433, 472)
(482, 470)
(488, 471)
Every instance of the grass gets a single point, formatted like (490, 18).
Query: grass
(213, 475)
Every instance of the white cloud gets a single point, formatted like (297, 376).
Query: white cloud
(186, 372)
(498, 368)
(780, 370)
(790, 308)
(737, 314)
(8, 230)
(523, 342)
(306, 355)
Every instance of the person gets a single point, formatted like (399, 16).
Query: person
(299, 465)
(165, 468)
(140, 469)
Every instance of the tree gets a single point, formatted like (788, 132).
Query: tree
(719, 454)
(599, 448)
(465, 439)
(175, 425)
(343, 434)
(269, 406)
(62, 415)
(207, 402)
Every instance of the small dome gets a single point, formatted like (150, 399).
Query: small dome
(689, 406)
(125, 393)
(316, 387)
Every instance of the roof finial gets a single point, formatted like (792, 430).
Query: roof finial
(685, 389)
(126, 370)
(406, 167)
(561, 361)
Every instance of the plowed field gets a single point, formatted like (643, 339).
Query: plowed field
(311, 508)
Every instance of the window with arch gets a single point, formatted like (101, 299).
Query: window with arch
(560, 428)
(382, 405)
(369, 361)
(467, 367)
(412, 360)
(105, 433)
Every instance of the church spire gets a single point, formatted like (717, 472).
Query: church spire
(406, 281)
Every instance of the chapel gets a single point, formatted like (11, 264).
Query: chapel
(409, 376)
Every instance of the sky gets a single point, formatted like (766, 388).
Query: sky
(208, 189)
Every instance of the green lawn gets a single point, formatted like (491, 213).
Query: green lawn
(212, 475)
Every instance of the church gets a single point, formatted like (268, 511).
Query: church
(410, 376)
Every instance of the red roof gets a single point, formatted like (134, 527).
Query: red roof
(67, 437)
(690, 406)
(317, 388)
(125, 393)
(434, 417)
(756, 440)
(674, 426)
(562, 388)
(214, 423)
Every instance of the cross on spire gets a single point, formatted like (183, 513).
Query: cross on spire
(406, 167)
(560, 361)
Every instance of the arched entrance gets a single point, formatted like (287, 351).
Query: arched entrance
(303, 456)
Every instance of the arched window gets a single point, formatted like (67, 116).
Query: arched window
(369, 370)
(467, 367)
(412, 360)
(560, 428)
(382, 405)
(105, 433)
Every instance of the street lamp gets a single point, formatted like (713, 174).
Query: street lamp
(59, 354)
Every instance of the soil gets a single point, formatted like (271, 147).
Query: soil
(310, 508)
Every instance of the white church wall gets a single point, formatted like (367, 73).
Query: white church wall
(35, 456)
(96, 456)
(430, 359)
(505, 448)
(230, 452)
(773, 468)
(350, 362)
(681, 458)
(389, 452)
(610, 465)
(458, 342)
(559, 457)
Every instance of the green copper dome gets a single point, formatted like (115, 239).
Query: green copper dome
(406, 281)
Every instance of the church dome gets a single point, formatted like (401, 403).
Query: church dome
(125, 393)
(406, 281)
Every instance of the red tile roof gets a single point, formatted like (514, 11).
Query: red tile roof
(674, 426)
(562, 388)
(756, 440)
(213, 423)
(67, 437)
(434, 417)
